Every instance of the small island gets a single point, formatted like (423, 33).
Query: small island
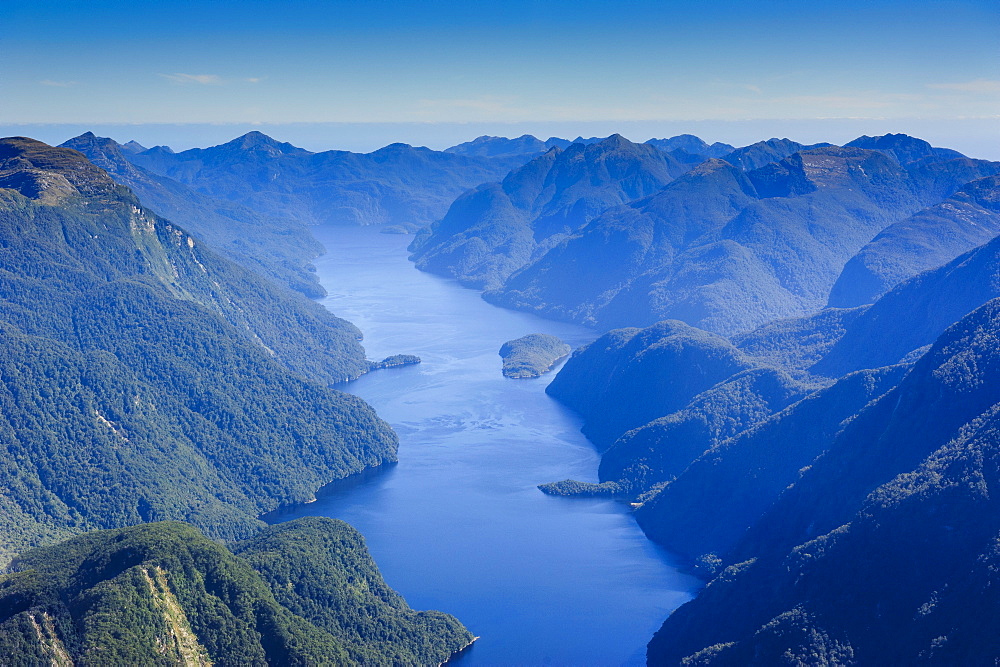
(571, 487)
(532, 355)
(394, 360)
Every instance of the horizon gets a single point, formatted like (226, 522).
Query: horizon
(444, 72)
(965, 137)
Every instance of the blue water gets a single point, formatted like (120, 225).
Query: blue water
(458, 524)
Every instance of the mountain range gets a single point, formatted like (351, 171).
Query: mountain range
(491, 231)
(276, 247)
(823, 473)
(772, 230)
(800, 399)
(395, 185)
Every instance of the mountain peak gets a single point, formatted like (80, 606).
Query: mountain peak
(133, 146)
(904, 148)
(47, 173)
(90, 139)
(615, 142)
(256, 141)
(693, 145)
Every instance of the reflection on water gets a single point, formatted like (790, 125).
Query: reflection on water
(459, 525)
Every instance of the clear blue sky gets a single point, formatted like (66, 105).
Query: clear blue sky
(520, 61)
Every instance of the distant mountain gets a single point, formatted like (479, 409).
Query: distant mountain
(146, 378)
(763, 153)
(883, 550)
(491, 231)
(132, 147)
(904, 148)
(306, 592)
(719, 248)
(487, 146)
(278, 248)
(927, 239)
(693, 145)
(397, 184)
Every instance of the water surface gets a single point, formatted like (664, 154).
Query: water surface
(459, 525)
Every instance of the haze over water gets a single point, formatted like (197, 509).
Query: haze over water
(459, 525)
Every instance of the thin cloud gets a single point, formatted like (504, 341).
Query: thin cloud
(58, 84)
(978, 86)
(203, 79)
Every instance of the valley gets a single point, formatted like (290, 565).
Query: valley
(458, 523)
(783, 356)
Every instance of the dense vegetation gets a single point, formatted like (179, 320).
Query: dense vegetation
(320, 570)
(530, 356)
(728, 250)
(883, 550)
(305, 592)
(146, 378)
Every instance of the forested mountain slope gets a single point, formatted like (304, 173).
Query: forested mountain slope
(882, 551)
(147, 378)
(279, 248)
(725, 245)
(497, 228)
(925, 240)
(823, 471)
(718, 248)
(670, 396)
(305, 592)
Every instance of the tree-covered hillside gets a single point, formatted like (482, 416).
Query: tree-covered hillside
(821, 471)
(147, 378)
(305, 592)
(608, 234)
(882, 550)
(728, 250)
